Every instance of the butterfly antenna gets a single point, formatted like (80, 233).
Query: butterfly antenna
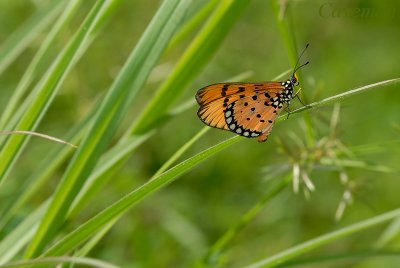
(296, 67)
(295, 70)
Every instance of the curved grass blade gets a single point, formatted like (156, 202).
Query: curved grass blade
(110, 113)
(24, 36)
(325, 239)
(37, 134)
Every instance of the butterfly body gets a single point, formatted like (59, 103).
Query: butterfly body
(247, 109)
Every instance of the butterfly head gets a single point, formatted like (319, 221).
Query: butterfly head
(294, 80)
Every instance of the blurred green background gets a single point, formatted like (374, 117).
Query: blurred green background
(352, 43)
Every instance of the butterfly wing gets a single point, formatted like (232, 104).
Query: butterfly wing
(214, 99)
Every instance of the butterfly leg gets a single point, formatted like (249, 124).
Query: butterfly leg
(297, 95)
(288, 111)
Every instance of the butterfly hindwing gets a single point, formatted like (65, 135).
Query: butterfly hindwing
(254, 116)
(215, 99)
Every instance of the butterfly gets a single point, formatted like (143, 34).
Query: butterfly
(246, 109)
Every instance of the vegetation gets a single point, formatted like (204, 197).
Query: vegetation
(118, 78)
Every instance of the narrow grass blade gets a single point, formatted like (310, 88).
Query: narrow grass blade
(325, 239)
(194, 59)
(37, 61)
(91, 227)
(128, 83)
(37, 134)
(24, 36)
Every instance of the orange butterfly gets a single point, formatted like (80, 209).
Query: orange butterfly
(247, 109)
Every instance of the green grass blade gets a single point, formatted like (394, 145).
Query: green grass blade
(192, 62)
(325, 239)
(37, 61)
(91, 227)
(48, 87)
(128, 83)
(24, 36)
